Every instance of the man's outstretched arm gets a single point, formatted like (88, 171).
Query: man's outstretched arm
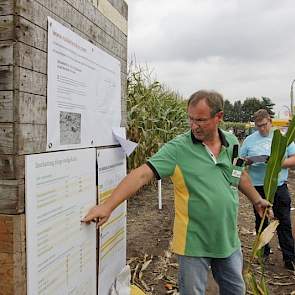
(126, 188)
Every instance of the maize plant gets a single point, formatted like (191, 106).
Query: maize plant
(280, 142)
(232, 125)
(155, 115)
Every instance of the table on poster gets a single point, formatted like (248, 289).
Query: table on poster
(61, 251)
(112, 237)
(83, 92)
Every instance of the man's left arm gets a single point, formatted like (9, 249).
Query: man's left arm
(246, 187)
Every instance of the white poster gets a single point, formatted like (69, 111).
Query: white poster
(83, 92)
(112, 237)
(61, 251)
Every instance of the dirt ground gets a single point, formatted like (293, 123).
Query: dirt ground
(154, 267)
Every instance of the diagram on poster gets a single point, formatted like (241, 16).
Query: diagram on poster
(112, 238)
(83, 92)
(61, 251)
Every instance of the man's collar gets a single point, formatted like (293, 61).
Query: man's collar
(223, 140)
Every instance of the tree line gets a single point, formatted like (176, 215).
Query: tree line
(243, 111)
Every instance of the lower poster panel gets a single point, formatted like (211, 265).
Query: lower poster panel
(61, 251)
(112, 236)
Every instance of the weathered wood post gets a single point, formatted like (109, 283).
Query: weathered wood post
(23, 89)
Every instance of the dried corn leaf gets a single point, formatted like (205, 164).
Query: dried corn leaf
(244, 231)
(146, 287)
(172, 292)
(168, 254)
(132, 259)
(267, 234)
(160, 277)
(145, 265)
(135, 272)
(280, 278)
(170, 280)
(282, 284)
(173, 265)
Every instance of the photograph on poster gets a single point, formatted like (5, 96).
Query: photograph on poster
(61, 251)
(83, 93)
(112, 236)
(70, 128)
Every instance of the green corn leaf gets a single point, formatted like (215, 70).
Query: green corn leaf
(263, 286)
(252, 284)
(278, 148)
(291, 131)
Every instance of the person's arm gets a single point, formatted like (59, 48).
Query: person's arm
(289, 162)
(243, 152)
(126, 188)
(246, 187)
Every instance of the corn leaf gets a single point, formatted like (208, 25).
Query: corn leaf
(263, 286)
(267, 234)
(273, 168)
(291, 131)
(251, 283)
(260, 290)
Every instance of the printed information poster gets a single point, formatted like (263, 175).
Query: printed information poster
(83, 92)
(112, 238)
(61, 251)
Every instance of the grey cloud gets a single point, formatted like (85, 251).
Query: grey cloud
(240, 48)
(251, 31)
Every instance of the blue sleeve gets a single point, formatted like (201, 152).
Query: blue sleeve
(291, 149)
(244, 149)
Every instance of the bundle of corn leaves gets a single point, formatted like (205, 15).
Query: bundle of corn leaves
(257, 285)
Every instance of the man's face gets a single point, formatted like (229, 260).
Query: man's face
(202, 123)
(263, 126)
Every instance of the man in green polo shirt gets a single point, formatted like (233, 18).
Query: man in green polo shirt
(205, 175)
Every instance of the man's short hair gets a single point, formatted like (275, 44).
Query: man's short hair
(260, 115)
(213, 99)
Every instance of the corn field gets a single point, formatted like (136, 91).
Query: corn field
(155, 115)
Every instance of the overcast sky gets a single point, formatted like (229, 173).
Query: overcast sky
(239, 48)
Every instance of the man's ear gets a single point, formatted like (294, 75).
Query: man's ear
(219, 115)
